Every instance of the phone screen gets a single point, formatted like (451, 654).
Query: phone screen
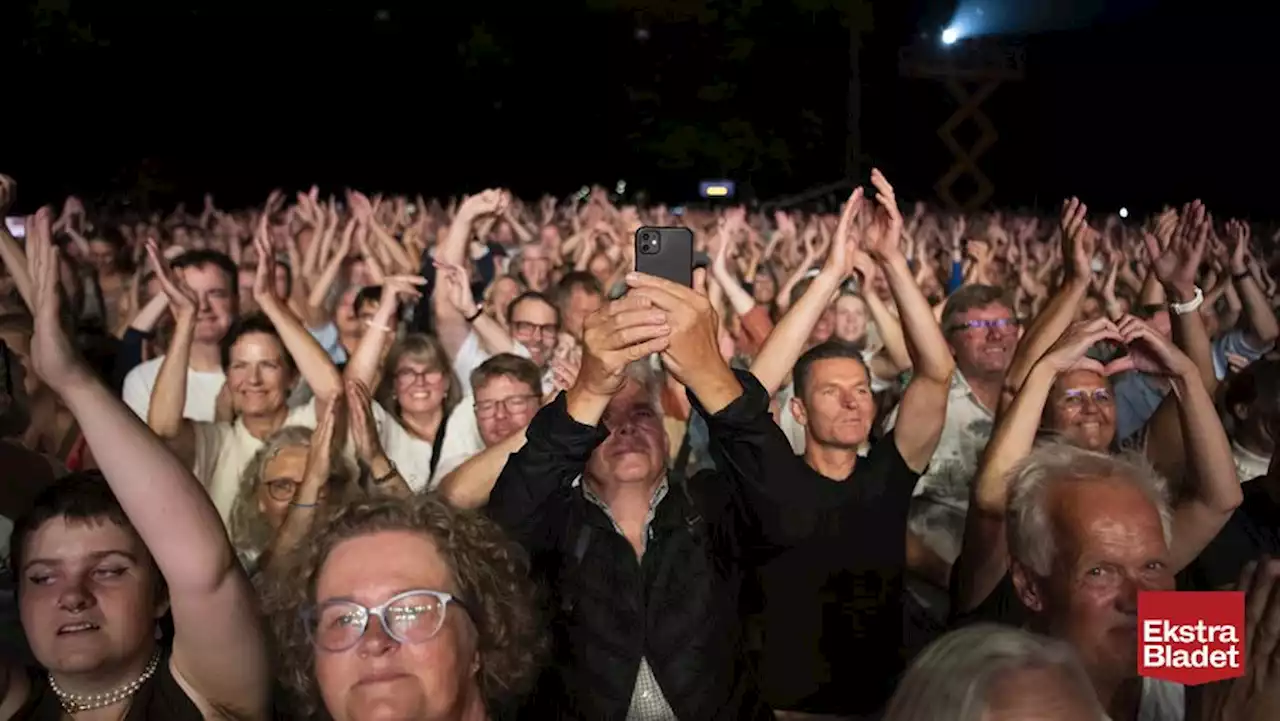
(17, 226)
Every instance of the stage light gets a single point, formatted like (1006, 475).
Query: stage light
(950, 36)
(1124, 212)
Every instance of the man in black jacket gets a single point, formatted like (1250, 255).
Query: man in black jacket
(645, 570)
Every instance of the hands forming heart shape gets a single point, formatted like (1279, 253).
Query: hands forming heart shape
(1146, 350)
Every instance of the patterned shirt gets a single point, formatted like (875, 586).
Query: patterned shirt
(647, 701)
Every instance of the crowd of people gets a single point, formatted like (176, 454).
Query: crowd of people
(359, 457)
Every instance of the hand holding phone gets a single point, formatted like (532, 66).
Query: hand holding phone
(665, 253)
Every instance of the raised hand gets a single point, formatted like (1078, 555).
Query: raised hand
(53, 357)
(840, 256)
(363, 428)
(1177, 262)
(864, 266)
(1150, 352)
(1079, 241)
(884, 234)
(488, 202)
(694, 342)
(181, 300)
(1256, 695)
(457, 289)
(1069, 353)
(264, 278)
(623, 331)
(1239, 233)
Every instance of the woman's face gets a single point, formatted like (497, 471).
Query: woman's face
(344, 316)
(88, 596)
(420, 386)
(851, 319)
(763, 288)
(281, 477)
(258, 375)
(1082, 408)
(379, 677)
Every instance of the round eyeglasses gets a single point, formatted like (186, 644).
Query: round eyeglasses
(410, 617)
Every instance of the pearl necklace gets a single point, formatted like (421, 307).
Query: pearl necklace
(74, 703)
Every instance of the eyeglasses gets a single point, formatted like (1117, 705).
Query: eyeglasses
(410, 617)
(282, 489)
(998, 324)
(512, 405)
(1076, 396)
(524, 328)
(406, 376)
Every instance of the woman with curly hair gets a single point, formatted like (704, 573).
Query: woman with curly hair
(407, 609)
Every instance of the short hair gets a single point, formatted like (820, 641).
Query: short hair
(969, 297)
(798, 290)
(1258, 386)
(643, 373)
(83, 498)
(824, 351)
(1028, 521)
(527, 296)
(509, 365)
(252, 323)
(205, 257)
(576, 280)
(954, 676)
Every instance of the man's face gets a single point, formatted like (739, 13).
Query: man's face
(215, 301)
(533, 323)
(504, 405)
(983, 340)
(636, 449)
(1082, 408)
(580, 304)
(836, 407)
(102, 255)
(1109, 546)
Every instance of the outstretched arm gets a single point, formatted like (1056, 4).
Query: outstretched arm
(219, 650)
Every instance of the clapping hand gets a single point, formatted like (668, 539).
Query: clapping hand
(53, 357)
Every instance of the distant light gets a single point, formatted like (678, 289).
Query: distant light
(1124, 212)
(621, 187)
(382, 16)
(950, 36)
(642, 34)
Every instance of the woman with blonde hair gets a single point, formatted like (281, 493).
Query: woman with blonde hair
(409, 608)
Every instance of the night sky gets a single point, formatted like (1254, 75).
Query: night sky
(1126, 102)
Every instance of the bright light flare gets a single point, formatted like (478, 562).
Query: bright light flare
(950, 36)
(1124, 212)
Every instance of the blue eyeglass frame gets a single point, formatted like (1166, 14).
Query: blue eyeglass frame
(312, 615)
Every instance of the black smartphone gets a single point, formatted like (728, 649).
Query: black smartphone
(666, 253)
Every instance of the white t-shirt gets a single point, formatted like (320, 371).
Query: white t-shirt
(202, 391)
(223, 450)
(472, 354)
(410, 454)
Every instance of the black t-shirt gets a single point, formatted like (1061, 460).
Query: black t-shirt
(1253, 530)
(832, 619)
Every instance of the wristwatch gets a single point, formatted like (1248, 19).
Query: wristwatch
(1190, 306)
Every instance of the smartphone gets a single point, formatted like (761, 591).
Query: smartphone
(17, 226)
(665, 253)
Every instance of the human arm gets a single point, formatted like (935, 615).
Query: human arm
(219, 648)
(365, 364)
(169, 395)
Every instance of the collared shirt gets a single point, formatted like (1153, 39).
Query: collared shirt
(942, 496)
(647, 701)
(1249, 465)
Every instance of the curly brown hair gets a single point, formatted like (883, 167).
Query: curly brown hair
(492, 575)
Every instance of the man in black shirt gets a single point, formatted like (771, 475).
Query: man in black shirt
(832, 616)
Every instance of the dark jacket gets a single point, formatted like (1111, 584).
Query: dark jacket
(678, 607)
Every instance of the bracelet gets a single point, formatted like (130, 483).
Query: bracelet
(303, 505)
(1190, 306)
(1241, 276)
(377, 326)
(472, 318)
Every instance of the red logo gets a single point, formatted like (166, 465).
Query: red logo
(1191, 637)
